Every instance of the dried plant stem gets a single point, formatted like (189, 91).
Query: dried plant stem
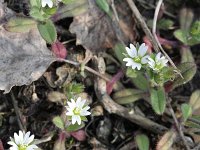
(143, 24)
(86, 68)
(155, 36)
(17, 112)
(178, 126)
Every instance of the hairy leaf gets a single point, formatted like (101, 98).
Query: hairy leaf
(20, 24)
(158, 100)
(186, 111)
(48, 31)
(58, 122)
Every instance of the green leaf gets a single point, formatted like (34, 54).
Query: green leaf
(71, 9)
(188, 70)
(142, 142)
(140, 82)
(20, 24)
(158, 100)
(58, 122)
(186, 111)
(164, 24)
(37, 14)
(134, 96)
(195, 100)
(50, 11)
(195, 30)
(119, 49)
(48, 31)
(131, 73)
(36, 3)
(182, 36)
(103, 4)
(74, 127)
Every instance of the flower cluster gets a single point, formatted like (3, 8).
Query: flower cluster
(23, 141)
(138, 58)
(77, 110)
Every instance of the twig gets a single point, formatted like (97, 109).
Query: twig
(45, 139)
(145, 123)
(178, 126)
(155, 36)
(86, 68)
(143, 24)
(114, 10)
(17, 112)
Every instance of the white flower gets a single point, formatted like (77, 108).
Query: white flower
(23, 141)
(47, 2)
(77, 110)
(136, 57)
(158, 62)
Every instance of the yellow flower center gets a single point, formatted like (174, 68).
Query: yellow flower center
(137, 59)
(77, 111)
(22, 147)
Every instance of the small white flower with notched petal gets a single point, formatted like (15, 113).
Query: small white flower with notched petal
(77, 110)
(158, 62)
(23, 141)
(47, 2)
(137, 58)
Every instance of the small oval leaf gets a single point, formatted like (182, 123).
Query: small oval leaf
(48, 31)
(142, 142)
(186, 111)
(195, 100)
(58, 122)
(74, 127)
(158, 100)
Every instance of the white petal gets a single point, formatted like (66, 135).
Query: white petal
(78, 120)
(74, 119)
(30, 139)
(86, 108)
(80, 103)
(138, 66)
(50, 3)
(12, 143)
(151, 63)
(70, 113)
(26, 137)
(13, 148)
(84, 113)
(72, 104)
(144, 59)
(129, 61)
(21, 137)
(31, 147)
(158, 57)
(44, 3)
(132, 52)
(142, 50)
(16, 138)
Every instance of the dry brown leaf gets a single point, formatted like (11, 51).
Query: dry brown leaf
(24, 57)
(95, 31)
